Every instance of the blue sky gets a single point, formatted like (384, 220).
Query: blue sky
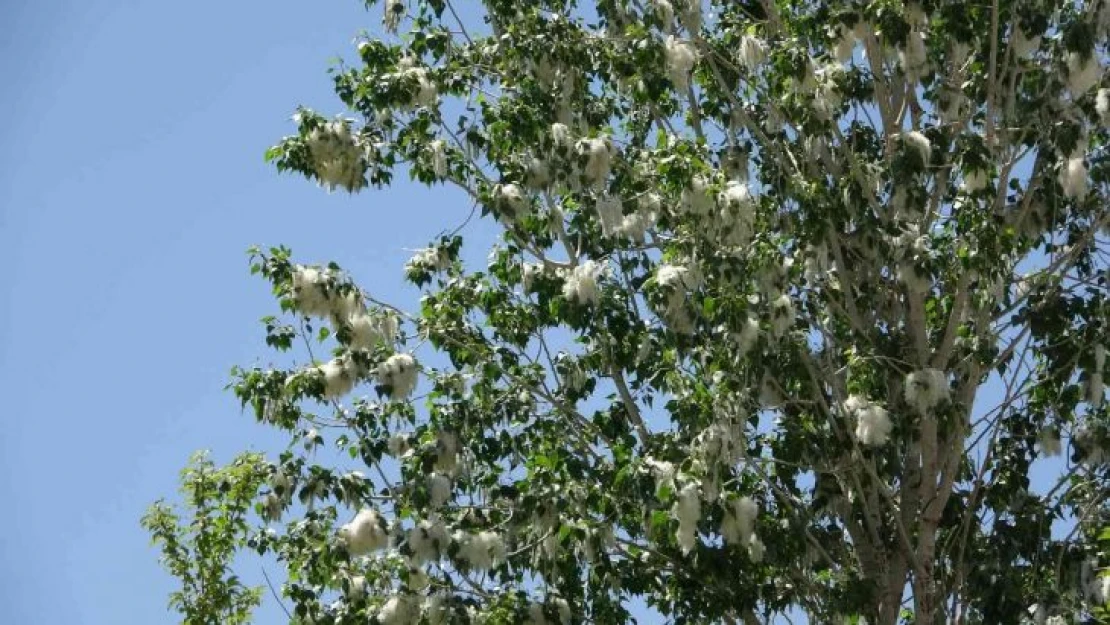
(131, 183)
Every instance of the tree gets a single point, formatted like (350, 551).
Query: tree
(199, 551)
(793, 300)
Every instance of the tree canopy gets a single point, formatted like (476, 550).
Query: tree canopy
(792, 303)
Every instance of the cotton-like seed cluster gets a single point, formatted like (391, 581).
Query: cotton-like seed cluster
(365, 533)
(873, 425)
(826, 98)
(597, 156)
(426, 94)
(926, 389)
(439, 158)
(738, 521)
(581, 283)
(356, 588)
(1102, 106)
(681, 57)
(1101, 590)
(1049, 440)
(368, 331)
(664, 11)
(782, 315)
(528, 274)
(816, 263)
(447, 453)
(398, 610)
(756, 549)
(1084, 72)
(538, 174)
(434, 259)
(912, 56)
(574, 378)
(636, 225)
(975, 180)
(696, 198)
(951, 105)
(561, 138)
(399, 445)
(281, 484)
(435, 609)
(664, 473)
(272, 507)
(511, 202)
(1096, 389)
(398, 375)
(610, 214)
(737, 214)
(439, 489)
(537, 612)
(394, 11)
(676, 281)
(920, 144)
(1073, 176)
(689, 13)
(687, 510)
(753, 51)
(417, 580)
(340, 376)
(337, 156)
(721, 443)
(746, 338)
(915, 15)
(309, 291)
(350, 492)
(428, 540)
(912, 249)
(481, 551)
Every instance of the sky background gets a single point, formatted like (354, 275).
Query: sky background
(131, 183)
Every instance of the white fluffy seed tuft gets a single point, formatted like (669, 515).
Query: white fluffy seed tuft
(439, 489)
(753, 51)
(339, 377)
(428, 540)
(1102, 106)
(1073, 177)
(1083, 73)
(687, 509)
(873, 425)
(1049, 440)
(365, 533)
(398, 610)
(920, 143)
(681, 57)
(581, 283)
(398, 375)
(336, 157)
(926, 389)
(481, 551)
(738, 522)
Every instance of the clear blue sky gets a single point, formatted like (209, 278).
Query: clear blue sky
(131, 182)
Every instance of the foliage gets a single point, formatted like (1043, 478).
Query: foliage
(199, 544)
(792, 303)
